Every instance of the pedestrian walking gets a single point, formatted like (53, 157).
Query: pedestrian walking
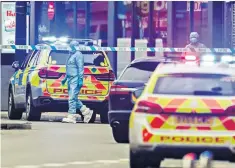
(74, 77)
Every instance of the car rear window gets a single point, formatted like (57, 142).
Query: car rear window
(90, 58)
(140, 71)
(196, 84)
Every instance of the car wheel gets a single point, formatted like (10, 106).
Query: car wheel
(93, 118)
(119, 136)
(104, 114)
(13, 113)
(32, 113)
(138, 160)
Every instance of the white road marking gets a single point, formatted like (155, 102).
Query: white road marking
(54, 165)
(28, 166)
(107, 161)
(71, 163)
(124, 160)
(79, 163)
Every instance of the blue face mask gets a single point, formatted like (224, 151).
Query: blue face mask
(193, 40)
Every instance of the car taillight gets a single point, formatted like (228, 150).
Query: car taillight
(53, 75)
(44, 73)
(106, 77)
(118, 89)
(230, 110)
(148, 107)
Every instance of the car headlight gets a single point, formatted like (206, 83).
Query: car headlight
(208, 58)
(227, 58)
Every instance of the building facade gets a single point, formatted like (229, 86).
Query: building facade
(109, 21)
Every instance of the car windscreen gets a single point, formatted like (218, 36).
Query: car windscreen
(91, 58)
(140, 71)
(196, 84)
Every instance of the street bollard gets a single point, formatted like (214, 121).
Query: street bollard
(205, 160)
(189, 160)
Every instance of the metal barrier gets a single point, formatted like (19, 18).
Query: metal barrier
(133, 49)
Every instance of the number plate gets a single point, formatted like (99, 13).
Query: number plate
(192, 120)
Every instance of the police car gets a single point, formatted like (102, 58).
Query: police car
(36, 85)
(134, 75)
(184, 108)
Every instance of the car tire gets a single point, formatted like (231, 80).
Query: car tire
(138, 160)
(32, 113)
(119, 136)
(104, 114)
(13, 113)
(233, 158)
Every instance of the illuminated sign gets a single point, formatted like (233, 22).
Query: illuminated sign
(51, 10)
(162, 6)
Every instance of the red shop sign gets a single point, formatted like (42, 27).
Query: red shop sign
(51, 10)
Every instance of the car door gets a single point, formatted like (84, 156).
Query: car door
(24, 77)
(18, 79)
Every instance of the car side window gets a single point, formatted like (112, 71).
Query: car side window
(41, 57)
(32, 59)
(37, 59)
(25, 62)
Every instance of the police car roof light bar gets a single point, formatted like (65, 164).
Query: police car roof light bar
(87, 42)
(64, 39)
(49, 38)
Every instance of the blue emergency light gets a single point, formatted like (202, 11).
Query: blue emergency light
(87, 42)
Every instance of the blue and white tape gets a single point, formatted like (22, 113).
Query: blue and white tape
(123, 49)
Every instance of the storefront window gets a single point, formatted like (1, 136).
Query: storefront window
(160, 21)
(182, 22)
(201, 20)
(124, 15)
(99, 21)
(69, 17)
(142, 15)
(44, 22)
(80, 28)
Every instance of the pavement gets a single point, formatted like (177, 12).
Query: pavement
(13, 124)
(51, 143)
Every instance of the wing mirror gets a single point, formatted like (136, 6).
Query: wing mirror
(15, 65)
(137, 93)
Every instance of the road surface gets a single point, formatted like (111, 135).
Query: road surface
(55, 144)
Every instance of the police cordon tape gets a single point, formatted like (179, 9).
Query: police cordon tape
(113, 49)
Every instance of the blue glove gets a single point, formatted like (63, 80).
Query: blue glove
(64, 80)
(80, 83)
